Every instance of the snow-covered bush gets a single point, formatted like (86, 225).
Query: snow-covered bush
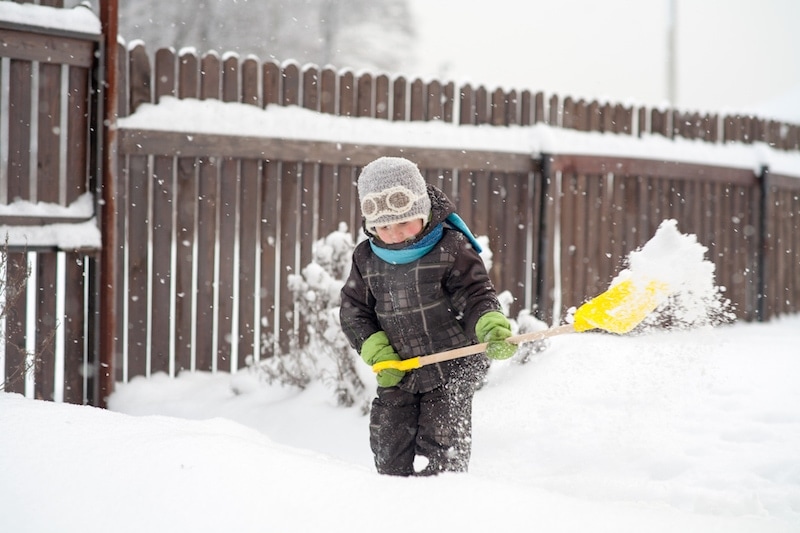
(319, 350)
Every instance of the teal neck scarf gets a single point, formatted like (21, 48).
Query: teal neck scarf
(423, 246)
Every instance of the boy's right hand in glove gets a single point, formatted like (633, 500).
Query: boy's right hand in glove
(376, 349)
(494, 328)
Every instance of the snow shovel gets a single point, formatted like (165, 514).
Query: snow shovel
(618, 310)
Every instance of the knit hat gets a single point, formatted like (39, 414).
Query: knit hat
(392, 190)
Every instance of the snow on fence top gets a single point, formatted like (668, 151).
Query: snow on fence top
(70, 227)
(80, 19)
(192, 116)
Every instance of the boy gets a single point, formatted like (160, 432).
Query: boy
(418, 286)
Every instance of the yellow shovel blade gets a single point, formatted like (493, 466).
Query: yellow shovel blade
(622, 307)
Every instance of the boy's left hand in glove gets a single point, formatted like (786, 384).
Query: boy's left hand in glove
(494, 328)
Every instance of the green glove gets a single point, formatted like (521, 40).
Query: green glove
(377, 348)
(494, 328)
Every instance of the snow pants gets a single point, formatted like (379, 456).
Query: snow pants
(436, 425)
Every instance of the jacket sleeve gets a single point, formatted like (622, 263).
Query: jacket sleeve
(357, 311)
(471, 289)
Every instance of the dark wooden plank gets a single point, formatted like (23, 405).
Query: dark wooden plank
(466, 105)
(497, 108)
(569, 245)
(185, 208)
(434, 107)
(271, 80)
(163, 209)
(138, 229)
(449, 102)
(329, 218)
(516, 229)
(139, 71)
(382, 97)
(49, 134)
(482, 115)
(365, 87)
(553, 115)
(188, 75)
(347, 94)
(545, 252)
(400, 99)
(249, 224)
(123, 81)
(596, 234)
(288, 239)
(46, 325)
(793, 244)
(228, 215)
(50, 49)
(207, 206)
(327, 97)
(207, 200)
(250, 89)
(308, 232)
(210, 77)
(185, 222)
(418, 100)
(77, 165)
(535, 225)
(164, 77)
(270, 201)
(539, 112)
(74, 325)
(290, 93)
(19, 121)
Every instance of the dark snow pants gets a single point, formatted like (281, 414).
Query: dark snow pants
(436, 425)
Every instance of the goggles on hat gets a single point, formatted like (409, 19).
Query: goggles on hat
(392, 201)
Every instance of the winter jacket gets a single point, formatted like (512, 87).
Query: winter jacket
(426, 306)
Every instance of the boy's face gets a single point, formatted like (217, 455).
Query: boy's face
(401, 232)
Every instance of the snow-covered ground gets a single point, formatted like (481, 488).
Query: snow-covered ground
(684, 430)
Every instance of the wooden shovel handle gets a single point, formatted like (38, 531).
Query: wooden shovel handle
(416, 362)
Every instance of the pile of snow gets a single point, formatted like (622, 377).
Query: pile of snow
(678, 261)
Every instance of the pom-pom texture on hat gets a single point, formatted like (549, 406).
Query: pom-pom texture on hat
(392, 190)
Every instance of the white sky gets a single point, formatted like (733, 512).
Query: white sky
(732, 54)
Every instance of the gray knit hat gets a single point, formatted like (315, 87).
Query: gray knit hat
(392, 190)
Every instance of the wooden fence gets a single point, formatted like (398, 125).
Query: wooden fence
(47, 148)
(242, 213)
(210, 230)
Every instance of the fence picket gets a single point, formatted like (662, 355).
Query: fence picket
(74, 325)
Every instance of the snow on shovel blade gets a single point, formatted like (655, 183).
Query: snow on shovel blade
(622, 307)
